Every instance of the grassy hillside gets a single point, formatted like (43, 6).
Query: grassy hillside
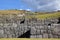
(45, 15)
(11, 11)
(38, 15)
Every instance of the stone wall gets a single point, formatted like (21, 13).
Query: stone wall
(11, 27)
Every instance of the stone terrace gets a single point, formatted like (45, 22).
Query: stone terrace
(12, 26)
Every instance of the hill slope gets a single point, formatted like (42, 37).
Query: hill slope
(38, 15)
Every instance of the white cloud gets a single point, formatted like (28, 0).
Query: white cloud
(58, 4)
(20, 9)
(43, 5)
(28, 9)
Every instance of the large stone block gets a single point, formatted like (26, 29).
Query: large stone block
(9, 36)
(45, 27)
(38, 32)
(33, 36)
(13, 36)
(39, 27)
(55, 36)
(14, 25)
(45, 35)
(5, 36)
(1, 33)
(33, 30)
(54, 20)
(56, 29)
(50, 35)
(49, 27)
(1, 24)
(49, 31)
(7, 25)
(43, 31)
(38, 36)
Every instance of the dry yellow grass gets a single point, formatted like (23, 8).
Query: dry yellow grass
(37, 15)
(11, 11)
(30, 39)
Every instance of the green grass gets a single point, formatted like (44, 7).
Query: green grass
(37, 15)
(45, 16)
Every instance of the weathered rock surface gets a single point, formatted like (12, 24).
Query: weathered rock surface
(10, 27)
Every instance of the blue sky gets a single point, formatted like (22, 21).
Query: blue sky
(33, 5)
(12, 4)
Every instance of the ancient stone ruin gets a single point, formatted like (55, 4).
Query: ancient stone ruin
(12, 26)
